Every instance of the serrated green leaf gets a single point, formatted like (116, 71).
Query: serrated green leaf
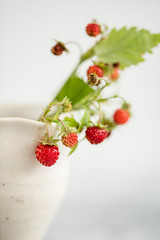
(70, 122)
(84, 121)
(75, 89)
(126, 46)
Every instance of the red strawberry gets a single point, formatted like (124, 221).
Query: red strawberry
(95, 69)
(115, 74)
(70, 140)
(96, 135)
(58, 49)
(47, 154)
(93, 29)
(121, 116)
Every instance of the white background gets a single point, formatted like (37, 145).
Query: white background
(114, 187)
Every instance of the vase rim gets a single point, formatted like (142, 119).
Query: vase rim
(20, 119)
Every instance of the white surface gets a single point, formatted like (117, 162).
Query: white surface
(114, 189)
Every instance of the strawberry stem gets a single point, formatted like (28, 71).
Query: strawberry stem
(46, 111)
(100, 114)
(107, 83)
(47, 131)
(63, 125)
(77, 44)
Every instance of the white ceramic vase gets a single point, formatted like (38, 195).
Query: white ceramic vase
(30, 193)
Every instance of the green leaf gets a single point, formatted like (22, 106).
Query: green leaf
(56, 116)
(70, 122)
(75, 89)
(126, 46)
(73, 149)
(84, 121)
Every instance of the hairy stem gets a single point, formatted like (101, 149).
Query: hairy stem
(63, 125)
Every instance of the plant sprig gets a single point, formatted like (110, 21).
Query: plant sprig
(115, 50)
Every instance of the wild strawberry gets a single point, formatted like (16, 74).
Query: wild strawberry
(67, 106)
(121, 116)
(70, 140)
(115, 74)
(96, 135)
(47, 155)
(93, 29)
(58, 49)
(95, 69)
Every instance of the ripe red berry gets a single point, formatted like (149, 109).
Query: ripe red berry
(58, 49)
(121, 116)
(95, 69)
(70, 140)
(115, 74)
(96, 135)
(93, 29)
(47, 154)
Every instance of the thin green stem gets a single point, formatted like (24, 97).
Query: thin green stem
(77, 44)
(88, 54)
(100, 114)
(115, 96)
(124, 101)
(63, 125)
(42, 117)
(107, 83)
(47, 131)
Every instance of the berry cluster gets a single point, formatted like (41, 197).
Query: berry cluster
(47, 152)
(100, 75)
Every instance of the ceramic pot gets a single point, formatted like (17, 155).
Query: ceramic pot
(30, 193)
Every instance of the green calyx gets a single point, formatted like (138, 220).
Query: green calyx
(126, 106)
(48, 140)
(107, 124)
